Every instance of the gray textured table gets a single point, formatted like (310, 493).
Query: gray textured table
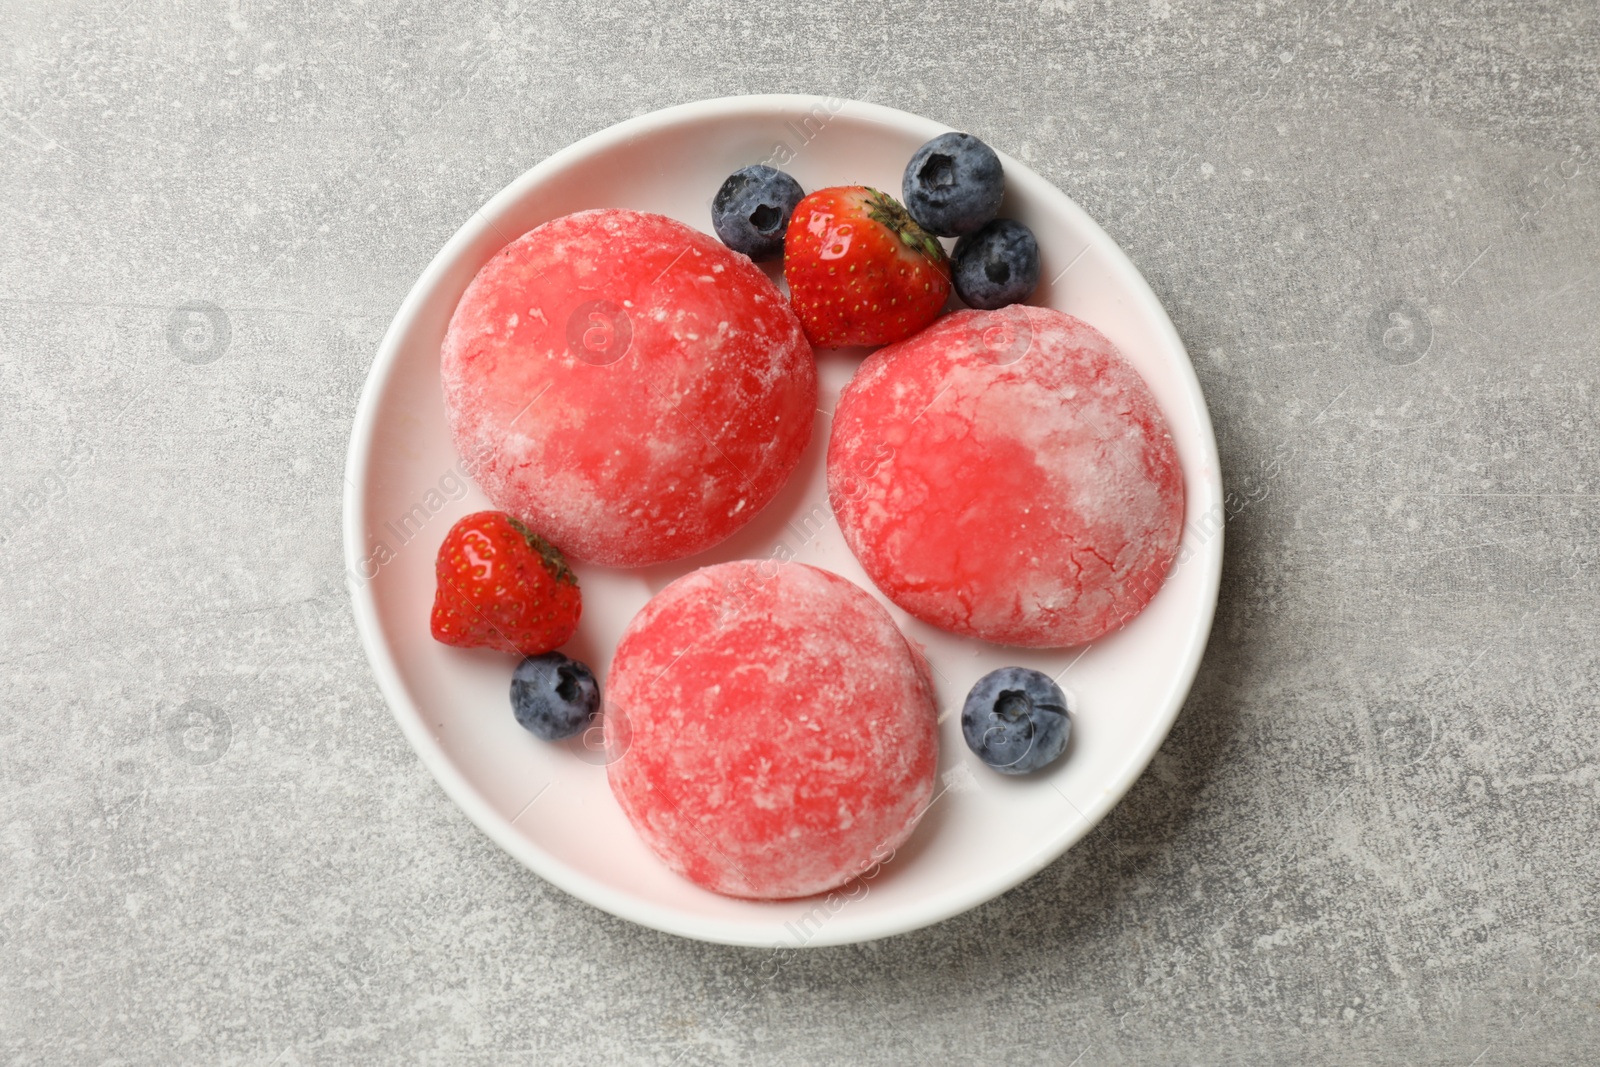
(1372, 836)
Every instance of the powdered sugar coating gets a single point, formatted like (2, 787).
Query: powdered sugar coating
(627, 386)
(1007, 475)
(771, 733)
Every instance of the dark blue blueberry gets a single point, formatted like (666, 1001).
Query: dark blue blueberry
(996, 266)
(1015, 719)
(552, 696)
(751, 211)
(953, 185)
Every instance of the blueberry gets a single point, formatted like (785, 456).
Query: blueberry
(1015, 719)
(751, 210)
(552, 696)
(953, 184)
(996, 266)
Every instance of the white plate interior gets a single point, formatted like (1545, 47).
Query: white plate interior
(549, 805)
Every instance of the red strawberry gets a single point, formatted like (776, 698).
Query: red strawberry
(860, 271)
(502, 586)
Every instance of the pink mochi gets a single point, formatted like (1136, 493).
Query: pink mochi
(1007, 475)
(771, 733)
(627, 386)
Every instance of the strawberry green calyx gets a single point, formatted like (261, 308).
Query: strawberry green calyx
(554, 561)
(887, 211)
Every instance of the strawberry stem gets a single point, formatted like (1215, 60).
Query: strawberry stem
(887, 211)
(554, 561)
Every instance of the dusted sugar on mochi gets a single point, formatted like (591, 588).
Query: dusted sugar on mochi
(1007, 475)
(627, 386)
(771, 733)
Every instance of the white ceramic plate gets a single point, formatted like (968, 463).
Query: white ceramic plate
(549, 805)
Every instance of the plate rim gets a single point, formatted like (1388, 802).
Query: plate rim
(460, 789)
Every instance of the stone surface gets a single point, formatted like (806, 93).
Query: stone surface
(1372, 837)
